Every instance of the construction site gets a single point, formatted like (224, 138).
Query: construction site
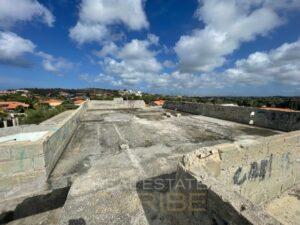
(119, 162)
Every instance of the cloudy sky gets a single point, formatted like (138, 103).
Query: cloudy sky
(204, 47)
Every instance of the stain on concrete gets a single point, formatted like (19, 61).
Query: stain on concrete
(258, 131)
(79, 221)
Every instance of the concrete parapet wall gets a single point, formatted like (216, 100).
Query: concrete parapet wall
(252, 172)
(212, 203)
(22, 171)
(284, 121)
(26, 165)
(59, 138)
(258, 169)
(116, 104)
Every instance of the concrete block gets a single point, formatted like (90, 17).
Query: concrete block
(26, 183)
(26, 150)
(178, 114)
(39, 163)
(15, 166)
(30, 177)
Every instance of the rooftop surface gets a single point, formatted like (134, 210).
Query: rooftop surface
(113, 153)
(107, 133)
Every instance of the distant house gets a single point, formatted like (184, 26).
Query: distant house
(6, 92)
(64, 94)
(131, 92)
(53, 102)
(22, 91)
(78, 102)
(10, 106)
(278, 109)
(159, 102)
(229, 104)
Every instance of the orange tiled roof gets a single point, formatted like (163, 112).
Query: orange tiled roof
(78, 102)
(53, 102)
(159, 102)
(12, 105)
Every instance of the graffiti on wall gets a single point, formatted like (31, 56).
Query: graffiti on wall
(258, 170)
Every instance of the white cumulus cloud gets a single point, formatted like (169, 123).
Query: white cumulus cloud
(97, 16)
(13, 11)
(108, 49)
(134, 63)
(88, 32)
(228, 23)
(56, 65)
(280, 65)
(13, 47)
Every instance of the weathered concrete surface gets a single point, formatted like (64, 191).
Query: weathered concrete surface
(215, 203)
(256, 171)
(101, 133)
(278, 120)
(21, 172)
(286, 208)
(114, 152)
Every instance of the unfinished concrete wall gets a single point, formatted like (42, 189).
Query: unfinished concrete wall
(59, 138)
(258, 169)
(22, 171)
(253, 172)
(284, 121)
(118, 103)
(212, 203)
(26, 165)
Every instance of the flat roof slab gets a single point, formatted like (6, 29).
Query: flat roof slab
(103, 133)
(113, 151)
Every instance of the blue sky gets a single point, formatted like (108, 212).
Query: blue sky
(205, 47)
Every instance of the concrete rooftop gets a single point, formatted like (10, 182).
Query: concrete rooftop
(113, 151)
(103, 135)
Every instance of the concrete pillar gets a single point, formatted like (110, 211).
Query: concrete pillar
(17, 121)
(14, 122)
(5, 123)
